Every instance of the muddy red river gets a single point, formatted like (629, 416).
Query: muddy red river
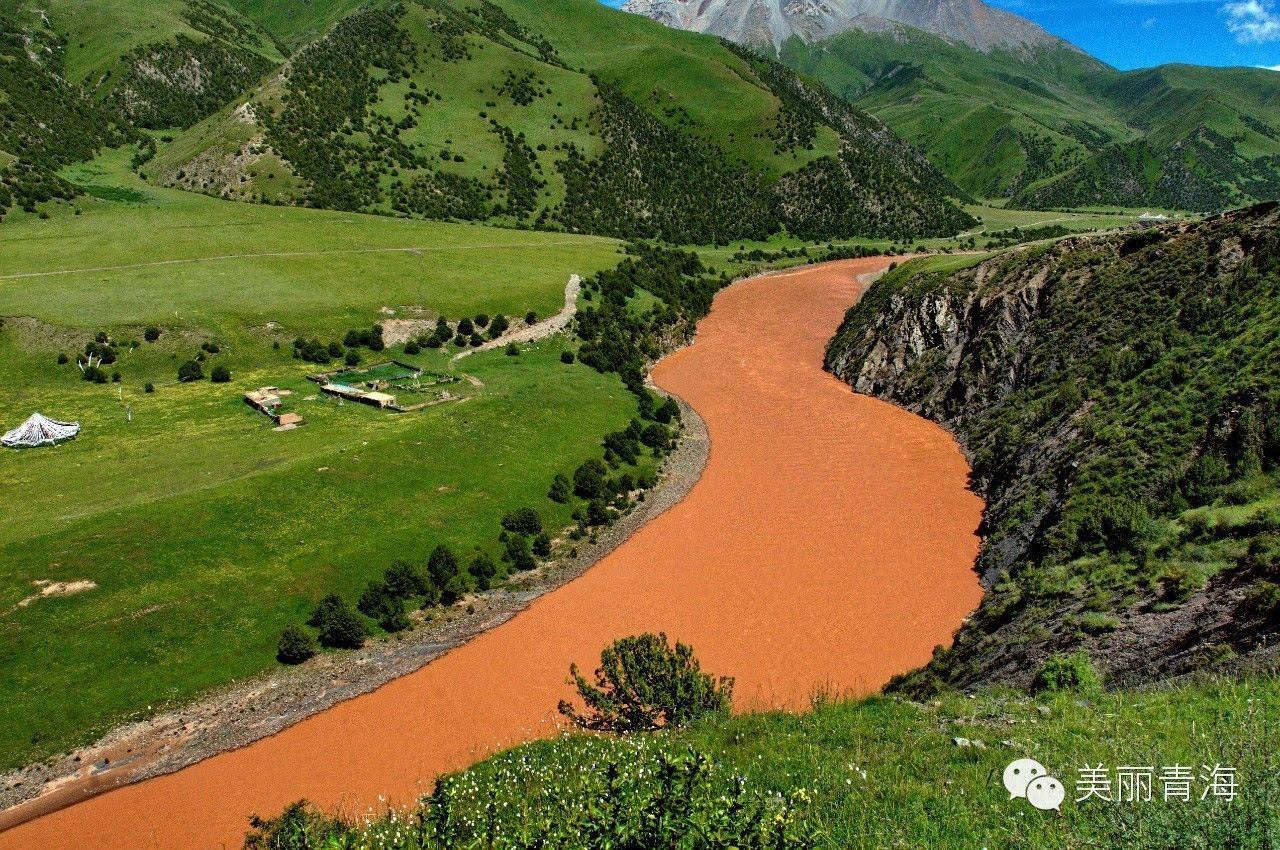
(828, 545)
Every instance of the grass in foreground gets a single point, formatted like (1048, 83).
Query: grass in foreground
(876, 772)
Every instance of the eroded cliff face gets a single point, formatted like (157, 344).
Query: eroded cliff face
(1105, 390)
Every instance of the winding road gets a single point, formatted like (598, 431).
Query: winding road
(829, 544)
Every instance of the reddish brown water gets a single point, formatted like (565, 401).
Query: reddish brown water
(829, 544)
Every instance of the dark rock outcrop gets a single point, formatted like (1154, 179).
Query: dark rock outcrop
(1103, 389)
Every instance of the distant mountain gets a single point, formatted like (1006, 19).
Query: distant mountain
(773, 22)
(1051, 127)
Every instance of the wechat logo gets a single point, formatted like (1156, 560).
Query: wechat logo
(1027, 778)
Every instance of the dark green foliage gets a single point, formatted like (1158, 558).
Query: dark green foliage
(220, 374)
(498, 326)
(151, 334)
(567, 357)
(517, 553)
(442, 565)
(643, 684)
(512, 350)
(379, 602)
(589, 479)
(190, 371)
(483, 570)
(149, 387)
(296, 646)
(523, 521)
(541, 545)
(560, 490)
(403, 580)
(340, 627)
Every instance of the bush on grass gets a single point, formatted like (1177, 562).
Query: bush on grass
(296, 646)
(644, 684)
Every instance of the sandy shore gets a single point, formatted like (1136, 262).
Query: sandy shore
(828, 544)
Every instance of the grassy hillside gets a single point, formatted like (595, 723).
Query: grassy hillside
(862, 774)
(1118, 397)
(159, 64)
(559, 115)
(1054, 128)
(203, 531)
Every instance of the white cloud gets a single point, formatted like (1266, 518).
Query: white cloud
(1270, 67)
(1252, 21)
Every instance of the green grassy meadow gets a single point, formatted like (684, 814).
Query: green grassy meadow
(205, 531)
(883, 772)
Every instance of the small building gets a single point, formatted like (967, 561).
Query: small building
(264, 399)
(288, 421)
(380, 399)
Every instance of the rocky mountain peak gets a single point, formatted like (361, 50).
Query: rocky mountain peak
(772, 22)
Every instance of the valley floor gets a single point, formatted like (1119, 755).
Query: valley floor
(809, 538)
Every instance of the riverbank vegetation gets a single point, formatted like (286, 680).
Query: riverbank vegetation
(869, 773)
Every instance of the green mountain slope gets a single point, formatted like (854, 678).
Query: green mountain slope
(162, 63)
(45, 123)
(561, 115)
(1053, 127)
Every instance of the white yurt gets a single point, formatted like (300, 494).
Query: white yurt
(40, 430)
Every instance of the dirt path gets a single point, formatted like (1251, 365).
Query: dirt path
(545, 328)
(829, 543)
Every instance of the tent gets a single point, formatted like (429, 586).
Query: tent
(40, 431)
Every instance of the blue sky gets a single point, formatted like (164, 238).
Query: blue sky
(1142, 33)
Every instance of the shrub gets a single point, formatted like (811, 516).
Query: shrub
(63, 359)
(476, 340)
(404, 580)
(466, 328)
(151, 334)
(1072, 672)
(560, 489)
(541, 545)
(513, 350)
(340, 627)
(460, 341)
(454, 590)
(94, 374)
(296, 646)
(589, 479)
(412, 347)
(643, 684)
(482, 320)
(220, 374)
(498, 326)
(115, 377)
(530, 318)
(352, 358)
(442, 565)
(518, 554)
(567, 357)
(149, 388)
(483, 570)
(523, 521)
(656, 436)
(1263, 600)
(190, 371)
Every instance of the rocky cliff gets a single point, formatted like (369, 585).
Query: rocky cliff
(772, 22)
(1119, 398)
